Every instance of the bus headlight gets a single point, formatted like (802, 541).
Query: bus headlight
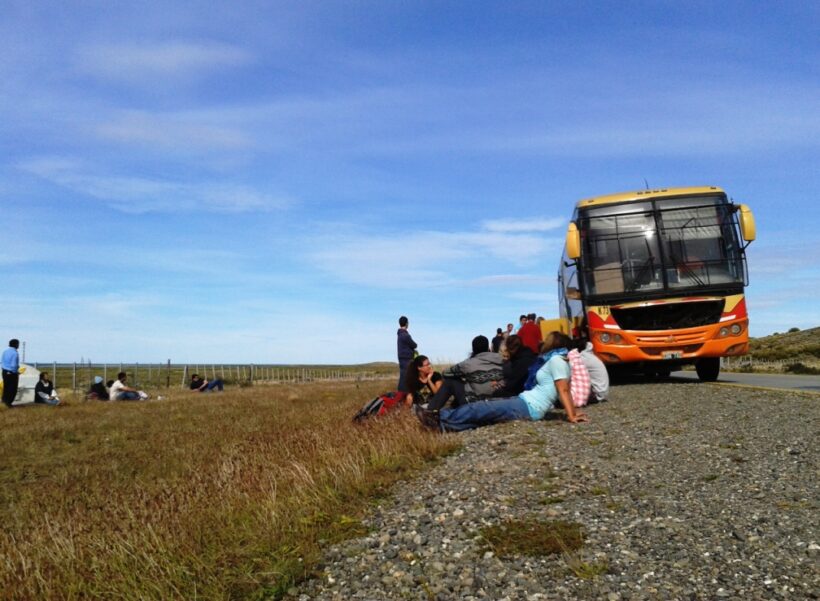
(736, 329)
(617, 338)
(724, 332)
(605, 337)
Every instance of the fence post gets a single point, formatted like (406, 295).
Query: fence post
(74, 378)
(168, 374)
(184, 374)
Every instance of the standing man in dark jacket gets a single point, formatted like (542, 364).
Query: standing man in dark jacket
(406, 348)
(498, 340)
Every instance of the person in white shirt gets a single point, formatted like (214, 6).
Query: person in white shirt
(598, 376)
(121, 392)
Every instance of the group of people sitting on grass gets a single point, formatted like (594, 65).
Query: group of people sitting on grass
(488, 388)
(118, 390)
(115, 390)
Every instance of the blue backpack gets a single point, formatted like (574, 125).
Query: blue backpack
(539, 362)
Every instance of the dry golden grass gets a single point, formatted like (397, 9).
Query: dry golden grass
(194, 497)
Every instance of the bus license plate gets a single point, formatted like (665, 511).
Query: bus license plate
(672, 354)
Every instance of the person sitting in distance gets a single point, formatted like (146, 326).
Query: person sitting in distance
(44, 391)
(120, 392)
(200, 385)
(98, 391)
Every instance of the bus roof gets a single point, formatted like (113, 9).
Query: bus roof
(648, 194)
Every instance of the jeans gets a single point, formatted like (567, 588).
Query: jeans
(483, 413)
(46, 399)
(450, 387)
(403, 363)
(215, 384)
(128, 396)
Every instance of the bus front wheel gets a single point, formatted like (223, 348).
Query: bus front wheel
(708, 369)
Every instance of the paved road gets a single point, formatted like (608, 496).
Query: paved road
(810, 383)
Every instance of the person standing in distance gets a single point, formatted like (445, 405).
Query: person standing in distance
(497, 341)
(11, 372)
(406, 349)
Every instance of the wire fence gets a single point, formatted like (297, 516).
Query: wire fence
(79, 376)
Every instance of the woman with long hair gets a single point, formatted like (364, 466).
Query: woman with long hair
(515, 368)
(551, 387)
(425, 386)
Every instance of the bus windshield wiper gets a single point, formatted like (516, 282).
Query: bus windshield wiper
(686, 270)
(644, 266)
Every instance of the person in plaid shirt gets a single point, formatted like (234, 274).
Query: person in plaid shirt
(580, 385)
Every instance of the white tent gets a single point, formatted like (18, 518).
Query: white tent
(28, 380)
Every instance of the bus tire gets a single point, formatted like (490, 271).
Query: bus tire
(708, 369)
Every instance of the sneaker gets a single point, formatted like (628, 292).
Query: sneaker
(428, 419)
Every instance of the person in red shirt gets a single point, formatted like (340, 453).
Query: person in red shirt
(530, 334)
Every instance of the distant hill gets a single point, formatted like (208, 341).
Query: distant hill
(802, 346)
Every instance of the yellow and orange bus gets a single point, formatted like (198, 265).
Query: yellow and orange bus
(655, 278)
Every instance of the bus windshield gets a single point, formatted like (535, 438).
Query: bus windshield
(666, 245)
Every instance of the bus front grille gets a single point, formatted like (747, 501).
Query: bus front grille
(669, 316)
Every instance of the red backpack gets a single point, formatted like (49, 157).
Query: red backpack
(380, 405)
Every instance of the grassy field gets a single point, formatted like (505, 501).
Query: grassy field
(193, 497)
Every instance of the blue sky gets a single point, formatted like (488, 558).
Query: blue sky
(278, 182)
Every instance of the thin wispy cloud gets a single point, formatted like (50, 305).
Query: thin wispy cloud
(434, 259)
(172, 132)
(523, 224)
(143, 195)
(508, 280)
(140, 62)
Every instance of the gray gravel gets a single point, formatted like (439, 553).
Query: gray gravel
(685, 491)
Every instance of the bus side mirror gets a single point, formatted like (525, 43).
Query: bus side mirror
(747, 223)
(573, 241)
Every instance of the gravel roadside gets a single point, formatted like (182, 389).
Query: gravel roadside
(684, 491)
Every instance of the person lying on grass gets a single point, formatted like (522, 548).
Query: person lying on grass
(201, 385)
(552, 386)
